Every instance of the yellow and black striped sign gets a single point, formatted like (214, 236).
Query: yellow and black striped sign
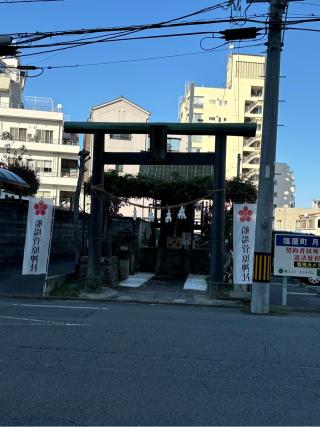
(261, 267)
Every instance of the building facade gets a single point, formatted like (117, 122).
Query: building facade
(37, 125)
(284, 186)
(300, 220)
(123, 110)
(241, 100)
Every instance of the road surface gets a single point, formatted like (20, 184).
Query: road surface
(81, 363)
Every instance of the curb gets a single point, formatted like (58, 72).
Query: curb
(131, 301)
(242, 306)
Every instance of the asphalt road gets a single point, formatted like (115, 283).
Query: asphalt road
(76, 363)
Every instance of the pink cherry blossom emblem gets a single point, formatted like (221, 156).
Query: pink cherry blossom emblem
(40, 208)
(245, 214)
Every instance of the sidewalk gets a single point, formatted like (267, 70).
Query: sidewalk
(160, 291)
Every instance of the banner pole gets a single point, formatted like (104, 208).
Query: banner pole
(49, 252)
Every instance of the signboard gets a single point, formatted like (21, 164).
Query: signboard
(244, 227)
(38, 236)
(296, 255)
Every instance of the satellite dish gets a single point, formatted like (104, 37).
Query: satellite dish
(59, 107)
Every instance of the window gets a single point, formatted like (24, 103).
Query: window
(41, 166)
(318, 223)
(44, 195)
(303, 223)
(212, 119)
(225, 102)
(197, 117)
(256, 91)
(69, 168)
(224, 119)
(125, 136)
(173, 144)
(219, 119)
(198, 101)
(119, 168)
(44, 136)
(310, 223)
(18, 134)
(298, 225)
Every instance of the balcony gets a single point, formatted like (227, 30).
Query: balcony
(37, 140)
(36, 103)
(70, 173)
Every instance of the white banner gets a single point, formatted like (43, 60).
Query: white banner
(38, 235)
(244, 228)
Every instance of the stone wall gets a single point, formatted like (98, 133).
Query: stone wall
(13, 223)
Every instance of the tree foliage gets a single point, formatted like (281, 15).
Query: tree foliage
(29, 175)
(174, 192)
(14, 159)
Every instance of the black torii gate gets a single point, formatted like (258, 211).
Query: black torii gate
(158, 155)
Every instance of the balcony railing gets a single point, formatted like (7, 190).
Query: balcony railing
(70, 173)
(63, 174)
(39, 140)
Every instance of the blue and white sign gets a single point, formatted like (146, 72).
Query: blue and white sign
(296, 255)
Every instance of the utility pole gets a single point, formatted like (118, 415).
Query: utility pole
(262, 252)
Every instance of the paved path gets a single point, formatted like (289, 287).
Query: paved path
(76, 363)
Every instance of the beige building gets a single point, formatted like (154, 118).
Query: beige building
(122, 110)
(301, 220)
(119, 110)
(238, 102)
(37, 124)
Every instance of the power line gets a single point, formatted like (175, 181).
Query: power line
(217, 49)
(26, 1)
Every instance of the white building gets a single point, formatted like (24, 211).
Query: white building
(122, 110)
(284, 186)
(240, 101)
(37, 124)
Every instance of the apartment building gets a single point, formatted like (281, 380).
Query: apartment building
(37, 124)
(284, 186)
(241, 100)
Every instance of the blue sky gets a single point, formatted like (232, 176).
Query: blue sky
(156, 85)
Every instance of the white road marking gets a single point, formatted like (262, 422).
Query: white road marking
(52, 322)
(302, 293)
(60, 306)
(281, 284)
